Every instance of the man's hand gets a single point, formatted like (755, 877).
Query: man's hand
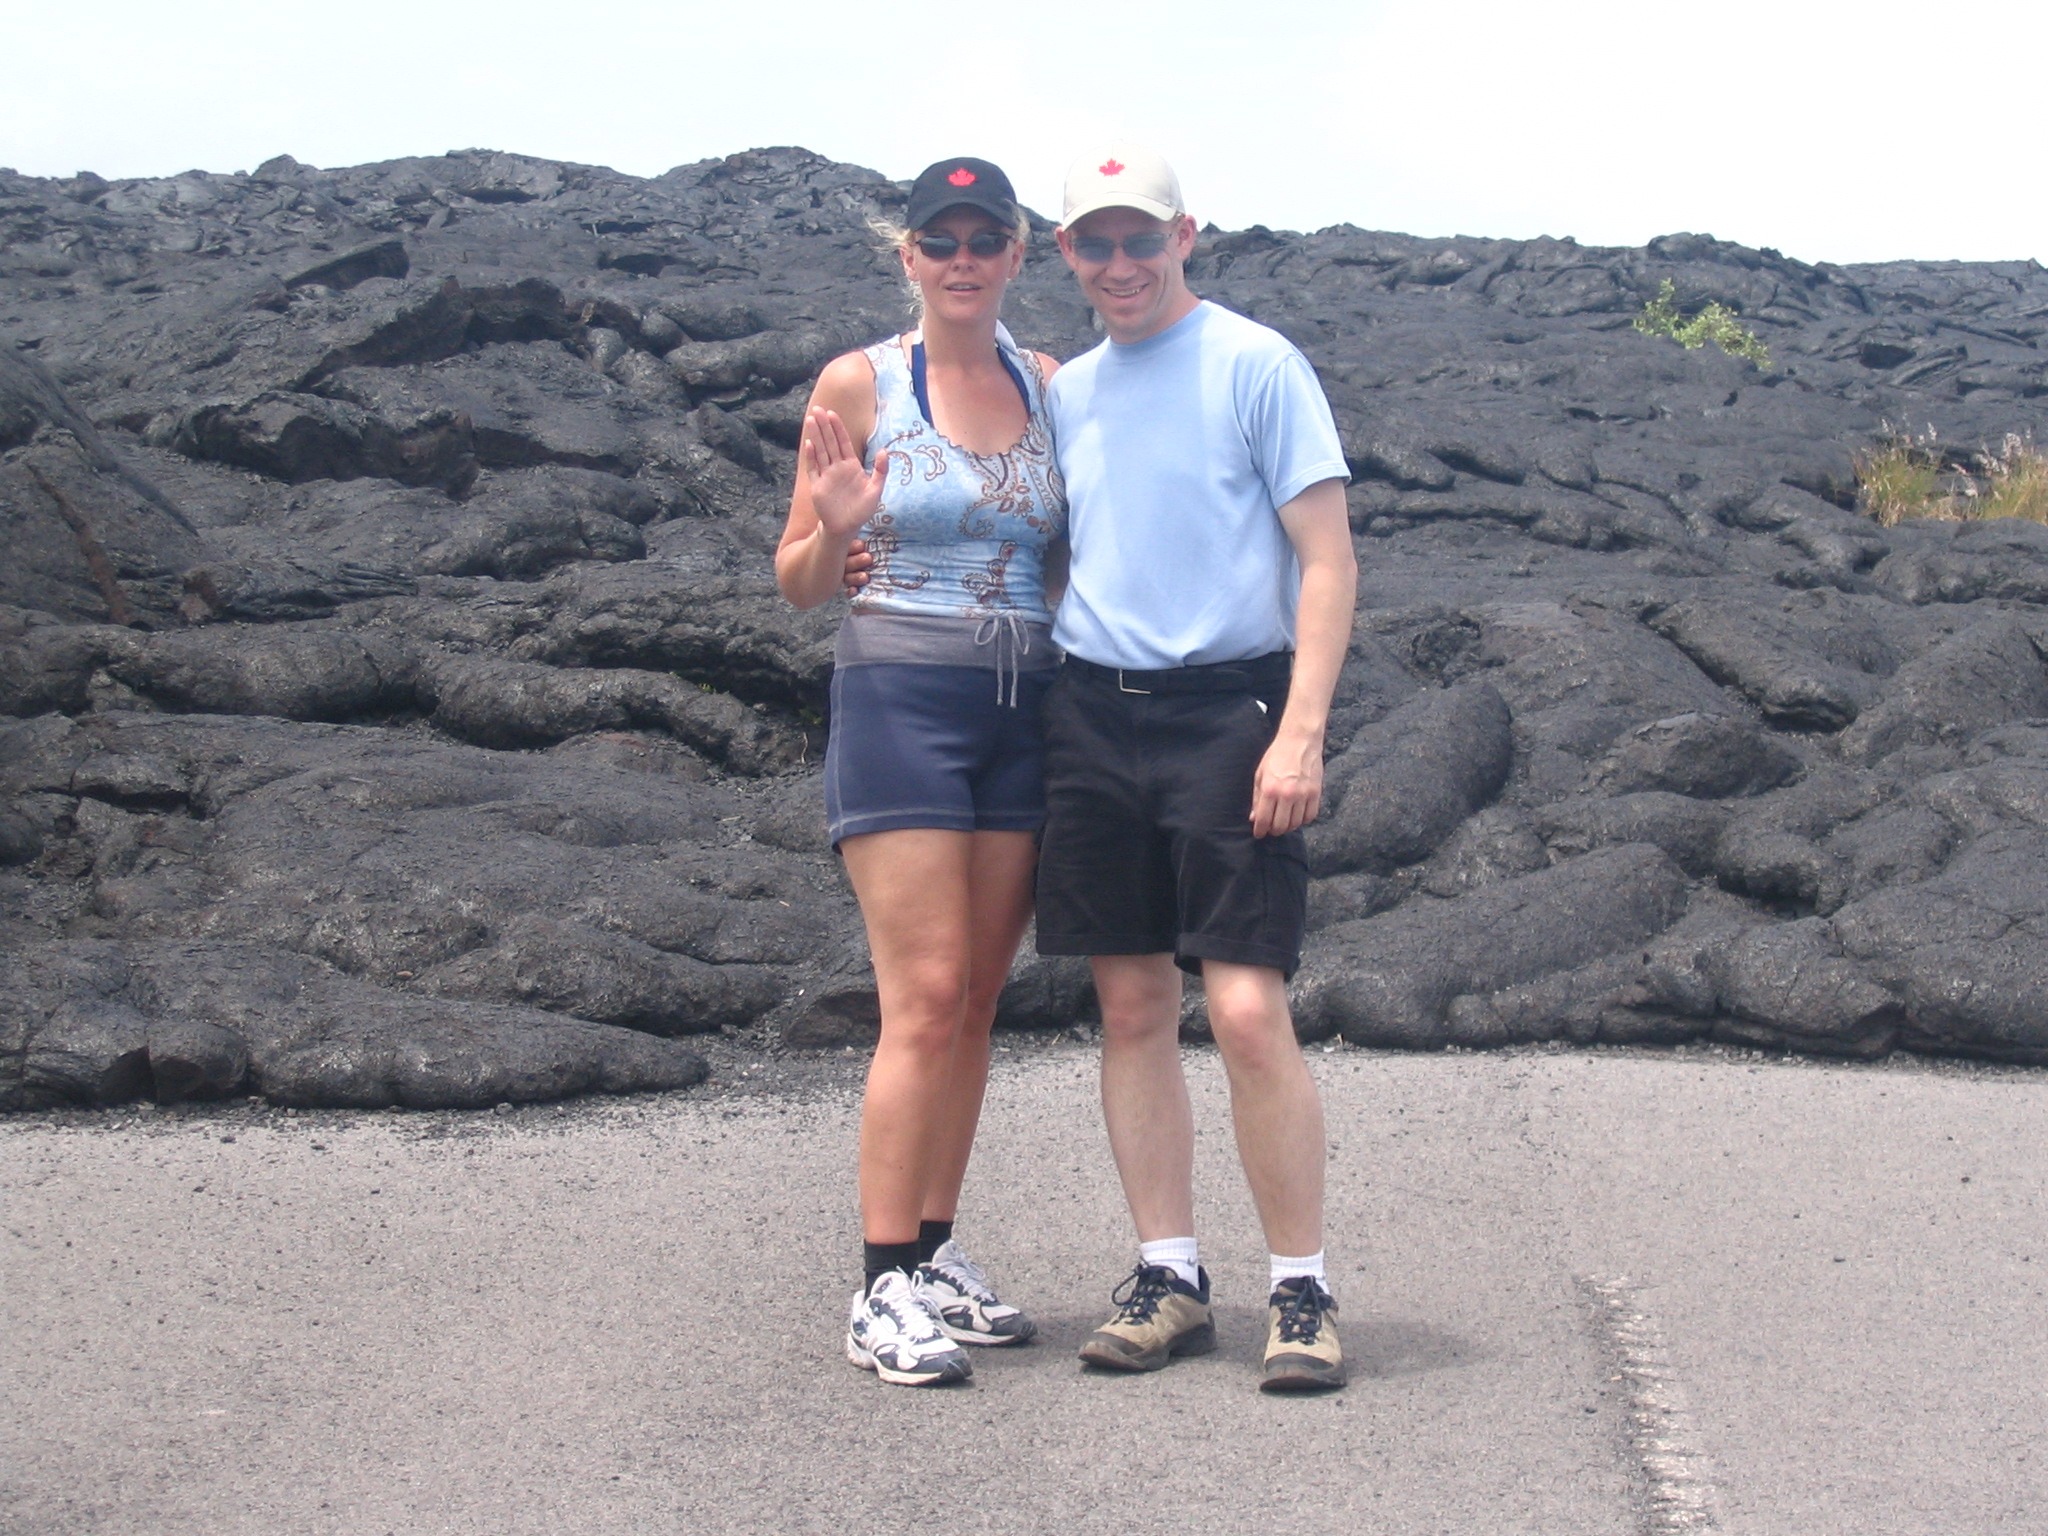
(858, 563)
(1287, 789)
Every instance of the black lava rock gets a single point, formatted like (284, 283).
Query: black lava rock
(396, 706)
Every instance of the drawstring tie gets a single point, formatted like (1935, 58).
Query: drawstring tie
(993, 630)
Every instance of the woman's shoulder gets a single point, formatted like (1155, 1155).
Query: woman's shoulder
(846, 383)
(856, 367)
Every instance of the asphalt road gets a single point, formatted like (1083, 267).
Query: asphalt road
(1583, 1294)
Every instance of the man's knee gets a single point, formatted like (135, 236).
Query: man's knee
(1248, 1015)
(1139, 995)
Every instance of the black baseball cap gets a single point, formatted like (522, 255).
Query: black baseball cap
(962, 182)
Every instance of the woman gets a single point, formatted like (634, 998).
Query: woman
(934, 447)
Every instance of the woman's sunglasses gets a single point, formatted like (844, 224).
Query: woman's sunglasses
(1099, 248)
(983, 243)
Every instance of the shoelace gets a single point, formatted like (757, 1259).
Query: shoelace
(1301, 1312)
(919, 1327)
(968, 1276)
(1139, 1293)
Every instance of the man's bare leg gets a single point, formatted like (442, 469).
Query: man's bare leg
(1144, 1095)
(1273, 1102)
(1162, 1311)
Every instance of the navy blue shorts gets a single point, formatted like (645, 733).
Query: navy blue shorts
(918, 745)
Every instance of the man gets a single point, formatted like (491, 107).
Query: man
(1207, 612)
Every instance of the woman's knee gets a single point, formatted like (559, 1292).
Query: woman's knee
(924, 1007)
(984, 991)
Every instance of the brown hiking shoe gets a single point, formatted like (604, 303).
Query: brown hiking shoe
(1302, 1354)
(1158, 1315)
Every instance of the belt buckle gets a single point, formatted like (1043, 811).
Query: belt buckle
(1120, 688)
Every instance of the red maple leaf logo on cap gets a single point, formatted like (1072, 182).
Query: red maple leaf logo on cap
(1112, 167)
(963, 177)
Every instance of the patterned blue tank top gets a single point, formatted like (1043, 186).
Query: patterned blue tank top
(960, 534)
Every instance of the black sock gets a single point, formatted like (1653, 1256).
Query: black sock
(931, 1237)
(880, 1258)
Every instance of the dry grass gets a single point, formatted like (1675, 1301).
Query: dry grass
(1909, 476)
(2016, 481)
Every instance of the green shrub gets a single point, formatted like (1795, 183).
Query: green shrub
(1716, 323)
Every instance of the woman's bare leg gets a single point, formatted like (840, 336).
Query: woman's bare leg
(999, 906)
(917, 889)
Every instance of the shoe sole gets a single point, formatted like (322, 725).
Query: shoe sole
(952, 1371)
(1302, 1373)
(1098, 1351)
(989, 1340)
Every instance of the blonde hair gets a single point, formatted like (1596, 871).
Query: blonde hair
(892, 239)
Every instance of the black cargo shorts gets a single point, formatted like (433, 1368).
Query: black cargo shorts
(1148, 844)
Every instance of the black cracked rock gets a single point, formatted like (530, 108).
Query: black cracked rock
(101, 1022)
(396, 705)
(297, 674)
(1965, 951)
(1810, 661)
(1391, 980)
(1790, 986)
(1987, 675)
(1412, 778)
(1707, 757)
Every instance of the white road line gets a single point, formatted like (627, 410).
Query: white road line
(1679, 1493)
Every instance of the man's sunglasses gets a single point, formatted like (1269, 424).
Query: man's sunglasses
(982, 244)
(1099, 248)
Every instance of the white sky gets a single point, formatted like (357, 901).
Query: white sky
(1836, 130)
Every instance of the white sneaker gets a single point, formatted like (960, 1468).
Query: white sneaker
(954, 1286)
(895, 1334)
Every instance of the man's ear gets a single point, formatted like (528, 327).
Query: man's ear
(1066, 244)
(1184, 236)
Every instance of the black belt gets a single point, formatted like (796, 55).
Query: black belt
(1260, 674)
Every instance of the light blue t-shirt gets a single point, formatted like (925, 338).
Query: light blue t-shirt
(1176, 451)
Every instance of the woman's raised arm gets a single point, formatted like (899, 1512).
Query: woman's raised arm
(835, 492)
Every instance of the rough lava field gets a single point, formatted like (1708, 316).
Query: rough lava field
(396, 706)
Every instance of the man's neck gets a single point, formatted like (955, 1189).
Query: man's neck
(1183, 305)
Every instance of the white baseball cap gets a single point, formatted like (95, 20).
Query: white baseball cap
(1122, 176)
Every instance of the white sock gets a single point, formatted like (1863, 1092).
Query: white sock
(1175, 1253)
(1285, 1268)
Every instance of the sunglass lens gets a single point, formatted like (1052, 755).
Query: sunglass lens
(983, 243)
(1137, 247)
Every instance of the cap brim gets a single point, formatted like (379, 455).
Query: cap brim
(1145, 205)
(997, 208)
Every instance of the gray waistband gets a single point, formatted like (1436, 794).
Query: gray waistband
(1001, 642)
